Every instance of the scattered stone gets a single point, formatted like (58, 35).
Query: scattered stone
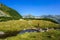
(1, 33)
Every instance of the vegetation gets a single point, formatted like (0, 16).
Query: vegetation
(14, 26)
(17, 25)
(30, 17)
(50, 35)
(49, 19)
(2, 19)
(9, 11)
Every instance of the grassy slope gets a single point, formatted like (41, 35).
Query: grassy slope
(9, 11)
(16, 25)
(50, 35)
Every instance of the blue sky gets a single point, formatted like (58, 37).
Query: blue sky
(34, 7)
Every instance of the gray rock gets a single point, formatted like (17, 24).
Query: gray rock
(2, 33)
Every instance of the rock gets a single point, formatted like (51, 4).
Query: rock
(1, 33)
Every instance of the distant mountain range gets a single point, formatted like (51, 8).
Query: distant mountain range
(44, 17)
(8, 13)
(54, 17)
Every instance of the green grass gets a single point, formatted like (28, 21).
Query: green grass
(11, 12)
(17, 25)
(50, 35)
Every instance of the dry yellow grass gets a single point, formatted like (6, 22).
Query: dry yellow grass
(16, 25)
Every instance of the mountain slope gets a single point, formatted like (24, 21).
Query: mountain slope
(9, 12)
(54, 17)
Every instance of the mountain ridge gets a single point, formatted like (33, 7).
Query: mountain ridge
(54, 17)
(9, 12)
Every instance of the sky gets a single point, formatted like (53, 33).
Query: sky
(34, 7)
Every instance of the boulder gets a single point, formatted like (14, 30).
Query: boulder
(2, 33)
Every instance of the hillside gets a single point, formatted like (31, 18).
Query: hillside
(7, 12)
(54, 17)
(10, 28)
